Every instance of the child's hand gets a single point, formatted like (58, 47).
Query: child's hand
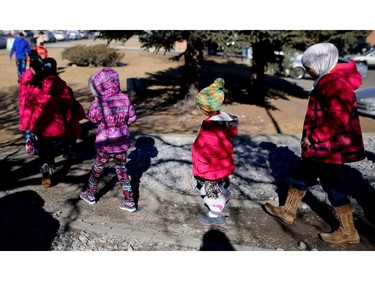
(305, 143)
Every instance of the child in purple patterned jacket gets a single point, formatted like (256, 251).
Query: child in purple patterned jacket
(113, 112)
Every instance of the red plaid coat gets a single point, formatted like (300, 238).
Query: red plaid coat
(331, 122)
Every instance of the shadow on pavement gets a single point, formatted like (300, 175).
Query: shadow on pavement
(361, 190)
(216, 240)
(140, 161)
(12, 179)
(370, 156)
(24, 224)
(355, 187)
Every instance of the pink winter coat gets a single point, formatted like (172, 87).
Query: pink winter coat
(112, 111)
(212, 151)
(47, 108)
(331, 122)
(23, 88)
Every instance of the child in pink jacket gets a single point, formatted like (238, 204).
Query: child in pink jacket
(212, 152)
(48, 107)
(25, 82)
(113, 113)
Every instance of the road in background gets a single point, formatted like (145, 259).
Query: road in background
(370, 81)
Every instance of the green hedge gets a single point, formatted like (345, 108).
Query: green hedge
(97, 55)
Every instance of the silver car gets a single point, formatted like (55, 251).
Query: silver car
(368, 57)
(297, 71)
(366, 101)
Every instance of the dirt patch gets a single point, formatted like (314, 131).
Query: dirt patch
(157, 108)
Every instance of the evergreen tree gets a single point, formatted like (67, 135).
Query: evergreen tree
(164, 40)
(263, 42)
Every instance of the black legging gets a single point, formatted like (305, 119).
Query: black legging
(47, 150)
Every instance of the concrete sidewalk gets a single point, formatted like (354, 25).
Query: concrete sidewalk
(160, 167)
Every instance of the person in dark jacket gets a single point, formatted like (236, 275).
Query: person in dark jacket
(22, 49)
(73, 128)
(331, 137)
(212, 153)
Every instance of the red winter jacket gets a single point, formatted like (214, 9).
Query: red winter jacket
(212, 151)
(47, 108)
(331, 122)
(42, 52)
(23, 88)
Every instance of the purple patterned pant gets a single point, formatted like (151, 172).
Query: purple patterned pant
(100, 163)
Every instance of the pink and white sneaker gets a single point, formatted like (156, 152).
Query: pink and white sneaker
(29, 147)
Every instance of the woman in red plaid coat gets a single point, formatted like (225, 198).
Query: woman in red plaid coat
(331, 137)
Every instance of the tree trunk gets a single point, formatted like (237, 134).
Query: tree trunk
(193, 64)
(192, 72)
(257, 95)
(262, 54)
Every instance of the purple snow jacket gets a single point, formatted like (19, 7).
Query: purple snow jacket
(112, 111)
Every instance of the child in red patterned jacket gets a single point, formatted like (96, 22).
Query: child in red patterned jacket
(212, 152)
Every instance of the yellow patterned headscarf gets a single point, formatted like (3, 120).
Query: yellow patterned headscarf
(211, 98)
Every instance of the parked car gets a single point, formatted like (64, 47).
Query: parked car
(48, 36)
(83, 34)
(368, 57)
(74, 34)
(3, 42)
(297, 71)
(360, 48)
(366, 101)
(28, 33)
(61, 35)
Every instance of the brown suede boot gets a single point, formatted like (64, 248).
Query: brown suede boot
(346, 233)
(287, 212)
